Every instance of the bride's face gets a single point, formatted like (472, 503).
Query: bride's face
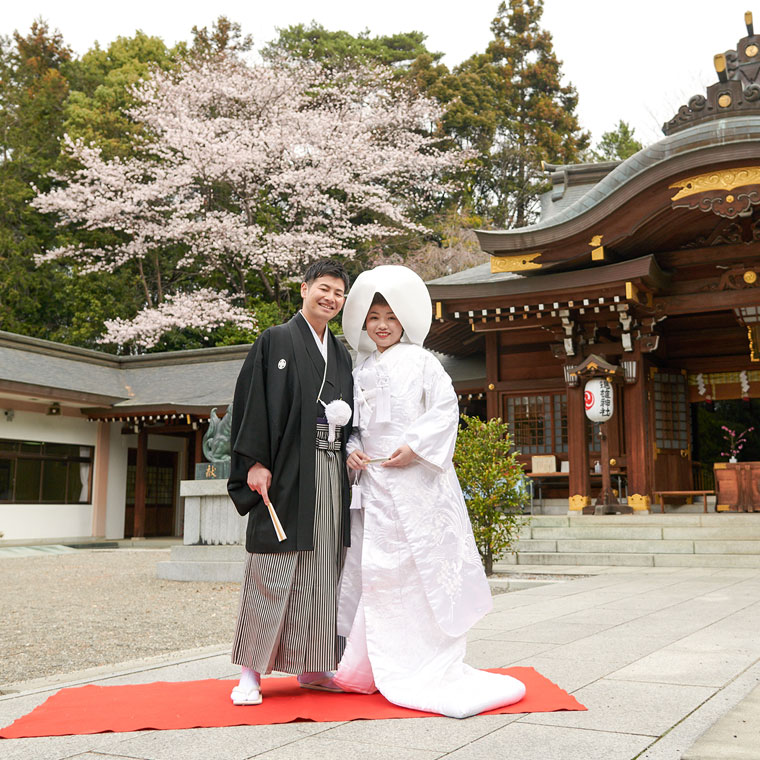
(383, 327)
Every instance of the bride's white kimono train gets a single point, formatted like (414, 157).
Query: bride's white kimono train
(413, 583)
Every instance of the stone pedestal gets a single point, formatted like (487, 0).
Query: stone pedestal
(214, 539)
(210, 516)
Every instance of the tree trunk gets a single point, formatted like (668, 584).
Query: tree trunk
(158, 279)
(267, 286)
(148, 299)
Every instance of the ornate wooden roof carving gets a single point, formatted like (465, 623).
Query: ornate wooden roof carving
(737, 91)
(728, 193)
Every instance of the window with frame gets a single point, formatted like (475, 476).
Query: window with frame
(538, 424)
(671, 411)
(35, 472)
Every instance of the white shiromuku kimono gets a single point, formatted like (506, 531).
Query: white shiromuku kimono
(413, 583)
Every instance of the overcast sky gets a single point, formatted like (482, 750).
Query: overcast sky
(633, 61)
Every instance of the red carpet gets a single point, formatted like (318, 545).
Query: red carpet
(206, 704)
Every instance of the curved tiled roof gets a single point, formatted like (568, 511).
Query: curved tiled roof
(654, 161)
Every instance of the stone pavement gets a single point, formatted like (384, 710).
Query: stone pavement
(658, 655)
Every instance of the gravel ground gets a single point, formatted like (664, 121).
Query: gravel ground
(69, 612)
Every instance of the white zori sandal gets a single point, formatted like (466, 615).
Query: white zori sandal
(241, 696)
(318, 682)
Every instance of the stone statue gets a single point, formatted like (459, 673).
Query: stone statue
(216, 448)
(216, 442)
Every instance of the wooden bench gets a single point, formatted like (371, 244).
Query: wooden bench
(662, 494)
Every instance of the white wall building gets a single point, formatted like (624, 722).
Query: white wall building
(83, 432)
(95, 446)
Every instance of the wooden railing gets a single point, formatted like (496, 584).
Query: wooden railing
(702, 476)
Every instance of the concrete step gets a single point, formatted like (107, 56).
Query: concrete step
(207, 552)
(220, 572)
(633, 546)
(669, 540)
(726, 547)
(637, 546)
(634, 560)
(598, 532)
(727, 532)
(199, 562)
(651, 532)
(591, 558)
(711, 519)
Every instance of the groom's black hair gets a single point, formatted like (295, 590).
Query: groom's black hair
(326, 268)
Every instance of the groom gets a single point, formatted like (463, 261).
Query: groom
(282, 457)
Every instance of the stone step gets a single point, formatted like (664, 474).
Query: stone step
(717, 532)
(198, 562)
(711, 519)
(608, 546)
(626, 532)
(208, 552)
(598, 532)
(727, 547)
(634, 560)
(220, 572)
(579, 558)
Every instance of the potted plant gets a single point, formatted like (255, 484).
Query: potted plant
(735, 442)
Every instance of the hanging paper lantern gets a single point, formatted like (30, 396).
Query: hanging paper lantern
(598, 399)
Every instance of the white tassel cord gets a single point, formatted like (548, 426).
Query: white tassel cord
(337, 412)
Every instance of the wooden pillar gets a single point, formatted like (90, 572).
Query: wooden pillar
(198, 450)
(100, 479)
(638, 449)
(492, 375)
(141, 468)
(579, 480)
(607, 502)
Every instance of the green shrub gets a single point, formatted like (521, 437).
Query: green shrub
(493, 484)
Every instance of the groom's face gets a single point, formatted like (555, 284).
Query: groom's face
(323, 298)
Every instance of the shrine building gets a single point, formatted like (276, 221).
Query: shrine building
(645, 272)
(94, 446)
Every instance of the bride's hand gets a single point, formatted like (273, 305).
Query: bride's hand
(401, 457)
(357, 460)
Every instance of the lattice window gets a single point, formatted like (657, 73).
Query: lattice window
(538, 423)
(671, 411)
(36, 472)
(160, 485)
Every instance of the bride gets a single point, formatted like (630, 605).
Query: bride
(413, 583)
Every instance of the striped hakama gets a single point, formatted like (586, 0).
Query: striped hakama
(288, 601)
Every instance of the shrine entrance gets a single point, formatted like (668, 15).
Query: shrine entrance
(160, 493)
(648, 269)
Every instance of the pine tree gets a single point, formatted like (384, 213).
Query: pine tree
(537, 120)
(510, 105)
(618, 144)
(339, 49)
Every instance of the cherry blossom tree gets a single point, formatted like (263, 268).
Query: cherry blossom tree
(245, 173)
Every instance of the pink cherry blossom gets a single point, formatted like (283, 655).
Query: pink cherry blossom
(247, 168)
(202, 309)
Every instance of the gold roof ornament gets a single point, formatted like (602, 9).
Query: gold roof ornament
(597, 254)
(737, 91)
(514, 263)
(728, 179)
(726, 192)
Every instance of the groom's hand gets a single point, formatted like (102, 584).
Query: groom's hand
(259, 480)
